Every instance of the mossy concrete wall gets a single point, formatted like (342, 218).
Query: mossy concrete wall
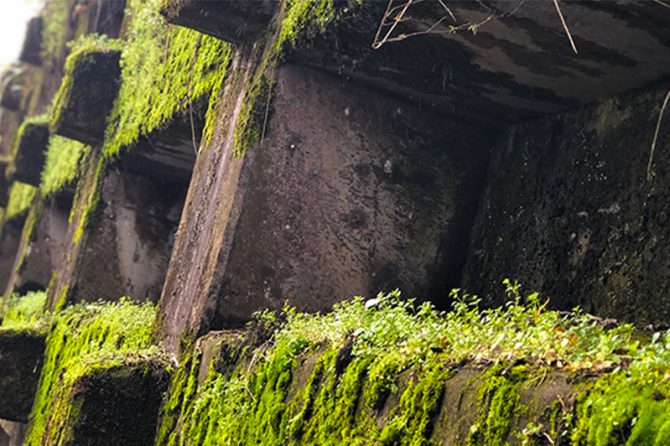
(569, 210)
(350, 192)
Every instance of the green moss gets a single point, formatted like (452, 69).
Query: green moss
(21, 198)
(499, 407)
(79, 337)
(165, 71)
(65, 160)
(25, 311)
(66, 409)
(630, 407)
(79, 58)
(88, 197)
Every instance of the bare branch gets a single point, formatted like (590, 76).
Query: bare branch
(656, 133)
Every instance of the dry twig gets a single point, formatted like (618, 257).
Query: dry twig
(655, 140)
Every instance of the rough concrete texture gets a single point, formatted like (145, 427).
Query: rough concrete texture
(11, 85)
(13, 433)
(352, 192)
(569, 211)
(230, 20)
(4, 185)
(10, 239)
(45, 248)
(32, 45)
(115, 406)
(28, 162)
(9, 123)
(83, 112)
(21, 355)
(129, 241)
(517, 66)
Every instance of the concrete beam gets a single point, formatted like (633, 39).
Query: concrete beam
(229, 20)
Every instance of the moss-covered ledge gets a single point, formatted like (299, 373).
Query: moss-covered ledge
(112, 400)
(389, 372)
(87, 92)
(28, 151)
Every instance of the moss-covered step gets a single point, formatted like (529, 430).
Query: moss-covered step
(87, 93)
(108, 402)
(29, 151)
(31, 53)
(21, 354)
(387, 371)
(232, 21)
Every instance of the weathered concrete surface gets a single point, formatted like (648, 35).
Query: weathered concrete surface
(10, 239)
(5, 185)
(9, 123)
(116, 405)
(129, 240)
(21, 355)
(569, 211)
(13, 433)
(230, 20)
(516, 66)
(39, 254)
(352, 192)
(29, 159)
(11, 86)
(32, 45)
(84, 107)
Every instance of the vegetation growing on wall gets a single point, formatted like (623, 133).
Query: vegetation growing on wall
(24, 311)
(80, 336)
(374, 373)
(21, 197)
(65, 159)
(165, 71)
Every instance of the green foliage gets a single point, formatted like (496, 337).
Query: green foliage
(21, 197)
(65, 159)
(630, 406)
(25, 311)
(324, 379)
(164, 71)
(81, 336)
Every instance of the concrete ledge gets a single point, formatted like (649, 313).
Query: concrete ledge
(229, 20)
(86, 96)
(21, 353)
(114, 402)
(30, 153)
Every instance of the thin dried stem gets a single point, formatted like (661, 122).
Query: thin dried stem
(650, 172)
(565, 27)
